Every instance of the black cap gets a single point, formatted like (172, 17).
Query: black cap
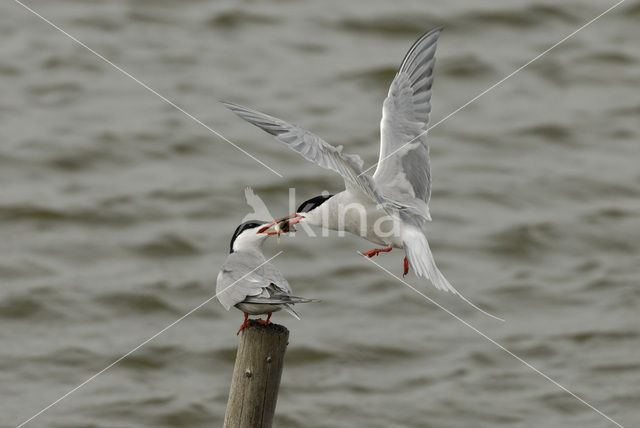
(313, 203)
(249, 224)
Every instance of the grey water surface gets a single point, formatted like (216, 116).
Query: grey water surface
(116, 210)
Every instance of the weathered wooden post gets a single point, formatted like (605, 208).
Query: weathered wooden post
(256, 376)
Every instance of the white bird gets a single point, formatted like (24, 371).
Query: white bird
(248, 281)
(398, 192)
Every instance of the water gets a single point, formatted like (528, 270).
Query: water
(116, 211)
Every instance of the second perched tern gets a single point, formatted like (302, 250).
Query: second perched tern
(250, 283)
(400, 188)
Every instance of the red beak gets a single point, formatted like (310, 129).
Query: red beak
(296, 219)
(268, 226)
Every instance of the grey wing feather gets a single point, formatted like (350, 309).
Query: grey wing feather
(315, 149)
(275, 296)
(279, 299)
(239, 279)
(404, 168)
(275, 277)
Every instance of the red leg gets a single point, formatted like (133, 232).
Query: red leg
(265, 322)
(376, 251)
(406, 267)
(245, 324)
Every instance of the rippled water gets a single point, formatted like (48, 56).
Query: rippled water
(116, 210)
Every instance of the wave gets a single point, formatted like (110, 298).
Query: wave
(168, 244)
(240, 18)
(132, 302)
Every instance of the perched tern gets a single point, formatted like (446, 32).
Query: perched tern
(250, 283)
(394, 201)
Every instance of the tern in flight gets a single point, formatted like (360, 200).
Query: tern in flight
(400, 188)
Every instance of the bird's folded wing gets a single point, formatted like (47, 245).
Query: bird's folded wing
(403, 166)
(278, 299)
(275, 277)
(315, 149)
(239, 279)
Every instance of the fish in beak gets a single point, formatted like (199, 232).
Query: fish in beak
(279, 226)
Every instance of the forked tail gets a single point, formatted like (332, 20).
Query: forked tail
(286, 301)
(295, 299)
(421, 261)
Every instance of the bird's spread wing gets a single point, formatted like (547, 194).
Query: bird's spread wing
(239, 279)
(403, 167)
(315, 149)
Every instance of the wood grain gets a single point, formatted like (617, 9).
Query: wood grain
(256, 376)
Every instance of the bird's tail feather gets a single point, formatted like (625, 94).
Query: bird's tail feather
(279, 299)
(296, 299)
(422, 262)
(289, 309)
(293, 300)
(284, 300)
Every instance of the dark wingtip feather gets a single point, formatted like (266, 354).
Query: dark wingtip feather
(261, 120)
(231, 106)
(415, 45)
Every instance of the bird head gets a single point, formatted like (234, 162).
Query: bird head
(313, 203)
(309, 210)
(250, 234)
(305, 212)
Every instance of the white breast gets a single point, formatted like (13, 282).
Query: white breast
(361, 216)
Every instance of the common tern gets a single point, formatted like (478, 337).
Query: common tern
(248, 281)
(391, 207)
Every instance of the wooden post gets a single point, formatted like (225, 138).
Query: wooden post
(256, 376)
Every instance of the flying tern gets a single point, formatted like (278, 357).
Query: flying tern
(391, 207)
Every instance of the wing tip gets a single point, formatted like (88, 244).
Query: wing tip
(434, 31)
(231, 106)
(267, 123)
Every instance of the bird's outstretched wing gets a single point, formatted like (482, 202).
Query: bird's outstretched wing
(315, 149)
(403, 166)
